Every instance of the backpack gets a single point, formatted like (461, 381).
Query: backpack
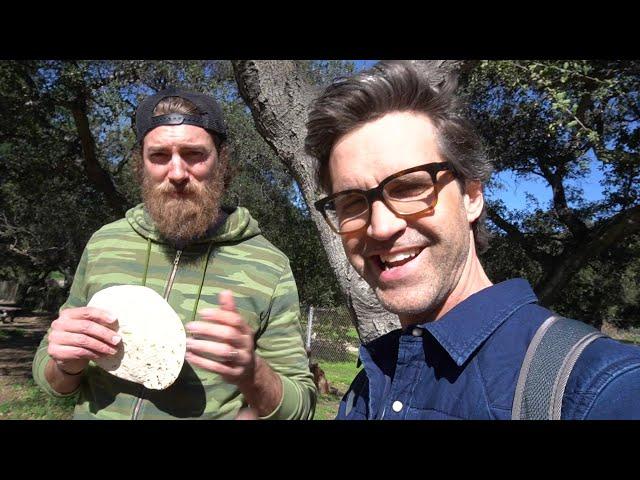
(546, 367)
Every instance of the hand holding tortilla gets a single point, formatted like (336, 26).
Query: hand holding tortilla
(153, 338)
(222, 342)
(79, 335)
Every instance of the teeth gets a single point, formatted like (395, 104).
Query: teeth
(398, 257)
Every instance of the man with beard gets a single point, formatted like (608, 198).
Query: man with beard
(404, 173)
(233, 290)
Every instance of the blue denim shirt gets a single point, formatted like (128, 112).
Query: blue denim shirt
(466, 366)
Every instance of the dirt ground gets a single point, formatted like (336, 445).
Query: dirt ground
(18, 343)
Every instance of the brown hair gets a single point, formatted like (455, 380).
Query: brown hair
(396, 86)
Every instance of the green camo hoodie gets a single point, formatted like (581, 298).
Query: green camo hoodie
(237, 257)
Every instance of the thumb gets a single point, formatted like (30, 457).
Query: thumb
(225, 299)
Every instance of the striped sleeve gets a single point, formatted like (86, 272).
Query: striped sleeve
(280, 344)
(76, 298)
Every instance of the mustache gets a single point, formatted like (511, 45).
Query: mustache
(169, 188)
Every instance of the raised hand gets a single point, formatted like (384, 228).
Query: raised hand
(222, 342)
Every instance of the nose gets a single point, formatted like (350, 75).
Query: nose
(384, 224)
(177, 169)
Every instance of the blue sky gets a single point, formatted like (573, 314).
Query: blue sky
(514, 193)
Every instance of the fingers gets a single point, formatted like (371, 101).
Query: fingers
(83, 333)
(96, 315)
(229, 372)
(225, 317)
(64, 353)
(85, 328)
(219, 352)
(218, 333)
(222, 342)
(225, 299)
(77, 340)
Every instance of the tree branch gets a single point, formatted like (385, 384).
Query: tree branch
(604, 236)
(514, 233)
(97, 175)
(565, 214)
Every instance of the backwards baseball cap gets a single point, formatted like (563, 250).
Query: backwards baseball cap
(209, 116)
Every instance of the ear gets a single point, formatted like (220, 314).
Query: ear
(473, 200)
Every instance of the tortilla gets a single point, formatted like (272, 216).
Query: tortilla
(153, 342)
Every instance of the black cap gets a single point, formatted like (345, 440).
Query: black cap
(209, 117)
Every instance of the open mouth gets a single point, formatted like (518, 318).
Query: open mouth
(394, 260)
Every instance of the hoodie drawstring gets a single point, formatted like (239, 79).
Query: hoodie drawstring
(204, 273)
(146, 267)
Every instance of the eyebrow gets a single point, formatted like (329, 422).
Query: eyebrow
(190, 147)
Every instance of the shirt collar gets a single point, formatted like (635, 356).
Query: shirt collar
(463, 328)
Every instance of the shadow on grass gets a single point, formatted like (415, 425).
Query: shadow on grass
(24, 400)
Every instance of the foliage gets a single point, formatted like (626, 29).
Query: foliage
(549, 120)
(53, 196)
(555, 121)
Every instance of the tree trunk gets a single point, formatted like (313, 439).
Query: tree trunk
(279, 96)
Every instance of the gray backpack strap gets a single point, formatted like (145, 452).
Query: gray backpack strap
(551, 355)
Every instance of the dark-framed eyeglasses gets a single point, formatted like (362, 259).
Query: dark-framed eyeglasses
(407, 192)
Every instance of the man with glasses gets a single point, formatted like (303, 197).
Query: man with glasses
(404, 172)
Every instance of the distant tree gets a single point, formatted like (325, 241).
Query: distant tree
(554, 121)
(65, 164)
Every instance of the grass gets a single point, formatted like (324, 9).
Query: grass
(26, 401)
(352, 335)
(340, 375)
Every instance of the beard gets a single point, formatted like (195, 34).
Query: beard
(188, 216)
(442, 263)
(439, 269)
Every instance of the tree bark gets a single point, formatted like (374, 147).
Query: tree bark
(279, 96)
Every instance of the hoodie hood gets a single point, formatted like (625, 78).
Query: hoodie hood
(238, 225)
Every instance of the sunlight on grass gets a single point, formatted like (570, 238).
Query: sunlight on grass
(340, 375)
(27, 401)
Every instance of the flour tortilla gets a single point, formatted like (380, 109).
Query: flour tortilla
(153, 339)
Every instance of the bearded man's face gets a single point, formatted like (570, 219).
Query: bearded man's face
(182, 180)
